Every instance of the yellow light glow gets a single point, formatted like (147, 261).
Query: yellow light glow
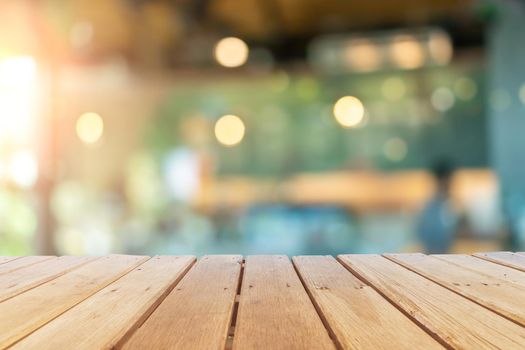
(17, 71)
(393, 89)
(231, 52)
(363, 56)
(90, 127)
(440, 47)
(18, 77)
(229, 130)
(349, 111)
(23, 169)
(406, 52)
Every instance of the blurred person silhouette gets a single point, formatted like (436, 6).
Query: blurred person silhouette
(438, 220)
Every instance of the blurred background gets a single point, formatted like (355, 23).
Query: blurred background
(261, 126)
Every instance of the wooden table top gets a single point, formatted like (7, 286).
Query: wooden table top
(390, 301)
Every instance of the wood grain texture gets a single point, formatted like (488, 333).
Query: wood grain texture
(454, 319)
(357, 315)
(516, 261)
(4, 259)
(486, 267)
(105, 319)
(275, 311)
(28, 311)
(22, 262)
(507, 299)
(19, 281)
(198, 311)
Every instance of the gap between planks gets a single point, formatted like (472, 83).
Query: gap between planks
(462, 326)
(331, 333)
(4, 259)
(198, 311)
(25, 303)
(130, 300)
(234, 313)
(434, 335)
(231, 332)
(233, 322)
(472, 296)
(508, 259)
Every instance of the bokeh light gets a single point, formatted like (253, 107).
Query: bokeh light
(440, 47)
(17, 70)
(406, 52)
(23, 169)
(363, 55)
(465, 88)
(395, 149)
(229, 130)
(81, 34)
(393, 89)
(90, 127)
(349, 111)
(280, 81)
(307, 88)
(231, 52)
(18, 83)
(442, 99)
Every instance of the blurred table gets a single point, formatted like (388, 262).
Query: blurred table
(390, 301)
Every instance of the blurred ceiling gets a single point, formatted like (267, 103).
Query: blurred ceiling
(151, 30)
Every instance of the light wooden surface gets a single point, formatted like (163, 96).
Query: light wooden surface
(23, 314)
(21, 280)
(274, 310)
(198, 312)
(485, 267)
(514, 260)
(454, 319)
(390, 301)
(340, 296)
(15, 264)
(4, 259)
(109, 315)
(496, 294)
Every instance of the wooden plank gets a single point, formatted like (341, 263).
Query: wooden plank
(454, 319)
(197, 313)
(275, 311)
(105, 319)
(4, 259)
(516, 261)
(19, 281)
(26, 261)
(358, 317)
(29, 311)
(489, 268)
(507, 299)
